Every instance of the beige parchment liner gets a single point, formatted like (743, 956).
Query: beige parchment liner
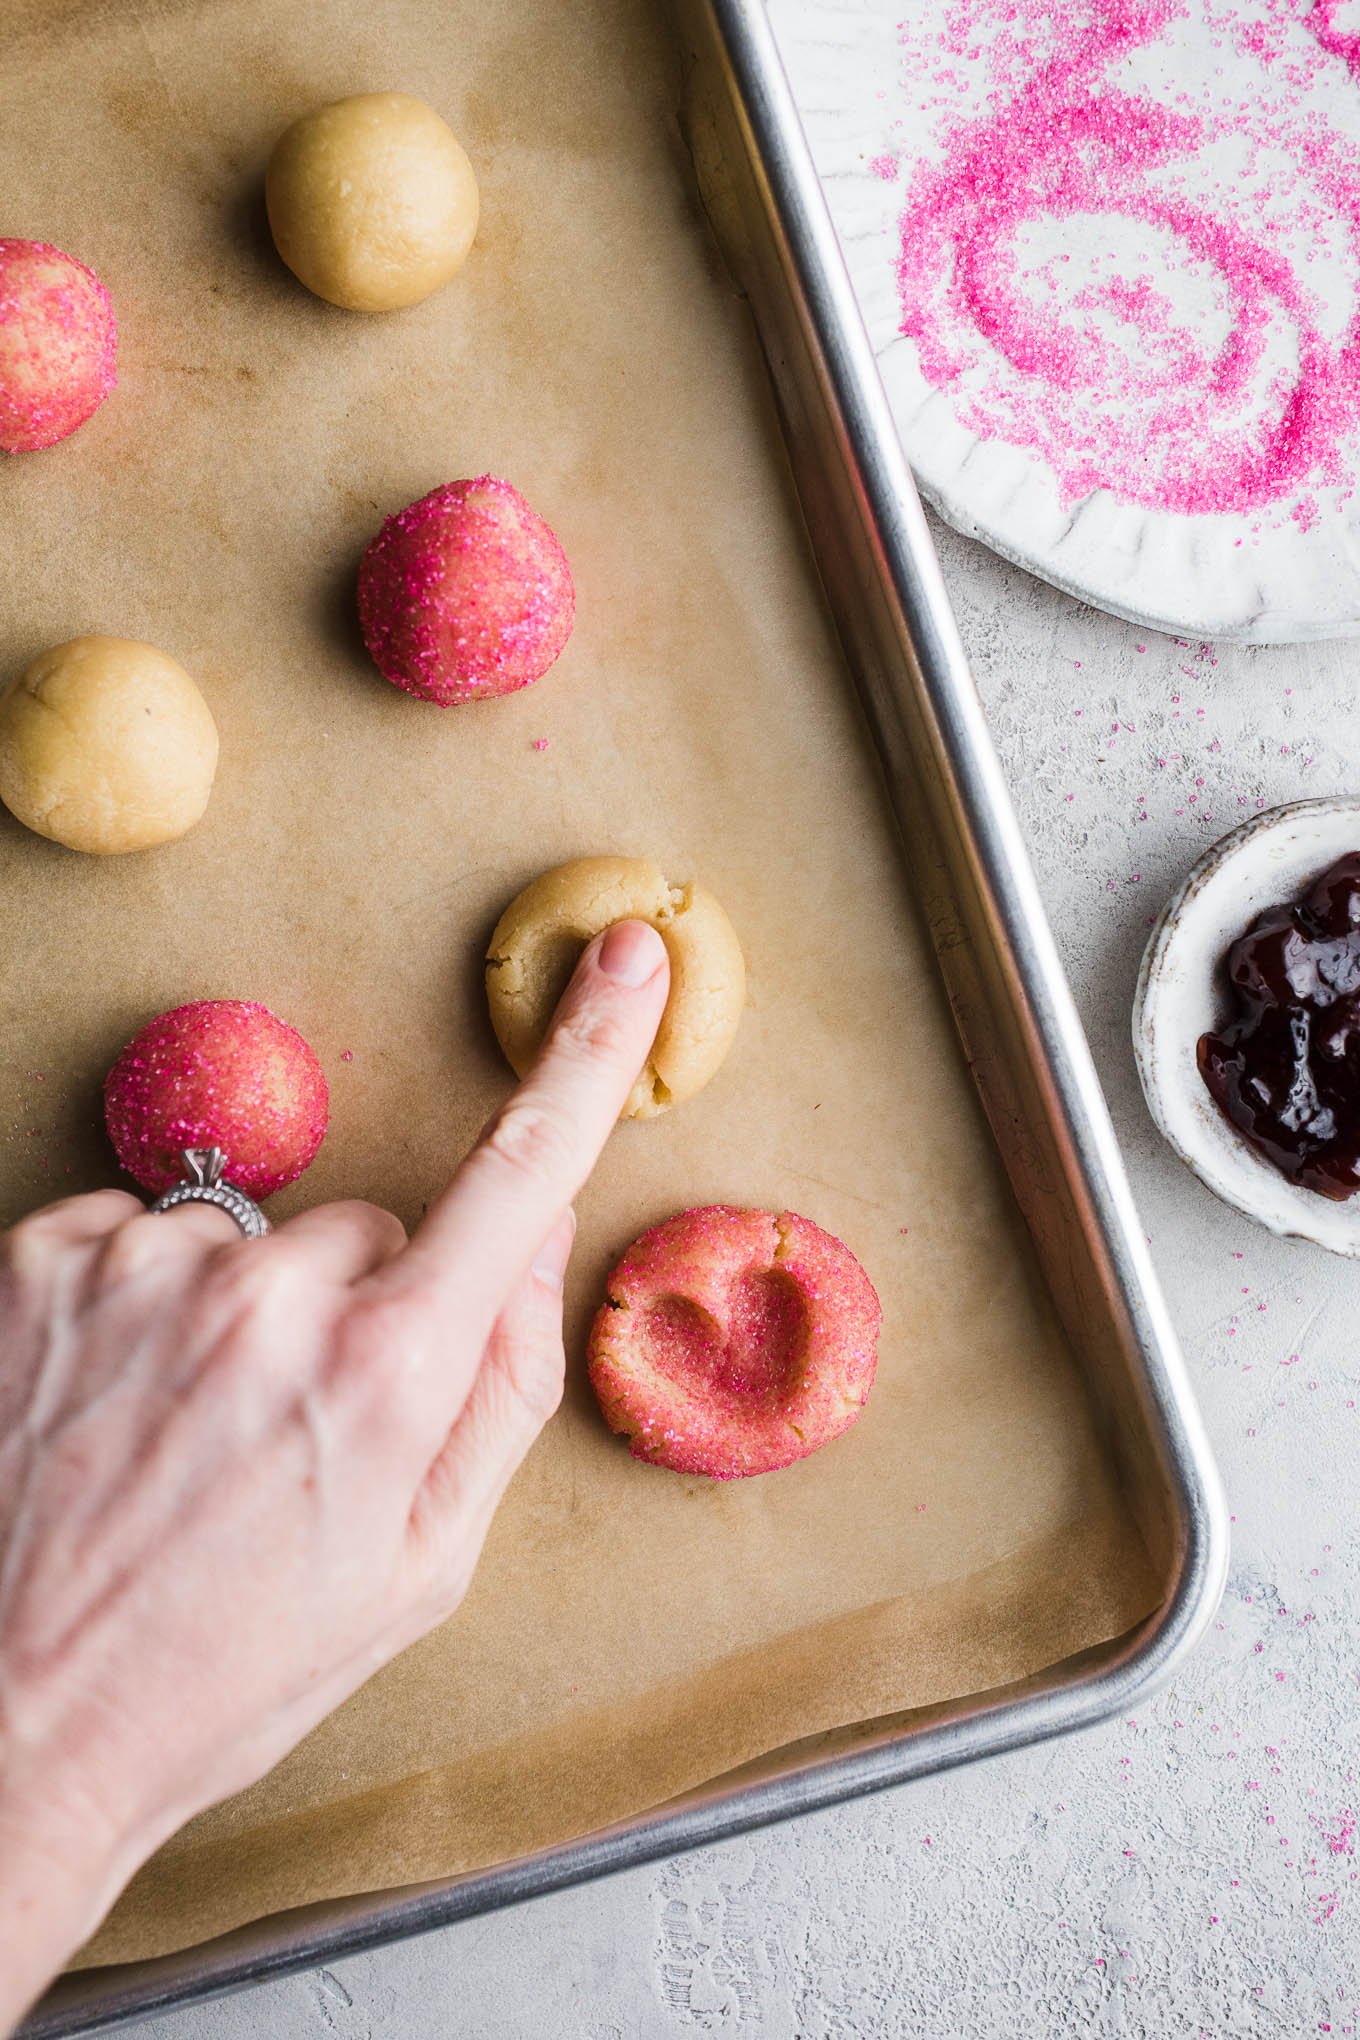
(630, 1633)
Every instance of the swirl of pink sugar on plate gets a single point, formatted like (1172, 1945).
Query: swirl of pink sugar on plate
(1322, 22)
(1051, 341)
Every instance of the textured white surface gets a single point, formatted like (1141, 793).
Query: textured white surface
(1188, 1873)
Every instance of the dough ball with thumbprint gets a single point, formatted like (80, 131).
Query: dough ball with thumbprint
(540, 937)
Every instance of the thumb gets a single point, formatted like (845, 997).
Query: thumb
(518, 1386)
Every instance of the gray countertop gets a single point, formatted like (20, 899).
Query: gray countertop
(1191, 1871)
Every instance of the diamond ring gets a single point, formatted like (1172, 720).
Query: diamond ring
(203, 1184)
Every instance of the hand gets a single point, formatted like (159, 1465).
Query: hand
(275, 1458)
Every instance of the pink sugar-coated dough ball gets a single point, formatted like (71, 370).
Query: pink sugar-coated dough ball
(217, 1073)
(58, 345)
(733, 1342)
(466, 594)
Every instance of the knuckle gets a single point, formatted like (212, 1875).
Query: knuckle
(383, 1325)
(151, 1241)
(118, 1206)
(535, 1139)
(27, 1249)
(379, 1224)
(595, 1032)
(254, 1278)
(356, 1211)
(532, 1372)
(275, 1270)
(538, 1388)
(89, 1205)
(129, 1251)
(24, 1253)
(380, 1342)
(376, 1214)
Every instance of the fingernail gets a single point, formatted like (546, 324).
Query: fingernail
(550, 1263)
(631, 952)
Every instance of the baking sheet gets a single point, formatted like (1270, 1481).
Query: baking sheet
(629, 1634)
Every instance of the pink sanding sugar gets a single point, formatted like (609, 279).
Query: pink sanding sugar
(222, 1073)
(733, 1342)
(465, 594)
(1193, 366)
(1338, 42)
(58, 345)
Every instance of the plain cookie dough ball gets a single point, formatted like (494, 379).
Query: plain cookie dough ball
(733, 1342)
(223, 1073)
(106, 745)
(372, 202)
(58, 345)
(465, 594)
(540, 937)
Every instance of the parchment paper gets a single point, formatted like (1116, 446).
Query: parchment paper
(630, 1633)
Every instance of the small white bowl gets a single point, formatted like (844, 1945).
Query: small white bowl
(1181, 995)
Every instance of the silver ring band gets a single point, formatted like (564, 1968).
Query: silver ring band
(203, 1184)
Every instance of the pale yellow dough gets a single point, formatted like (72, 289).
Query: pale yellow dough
(541, 935)
(372, 202)
(106, 745)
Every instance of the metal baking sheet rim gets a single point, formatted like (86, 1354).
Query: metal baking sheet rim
(730, 42)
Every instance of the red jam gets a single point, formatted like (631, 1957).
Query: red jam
(1286, 1068)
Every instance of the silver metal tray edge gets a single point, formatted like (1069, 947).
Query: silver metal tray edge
(1020, 1030)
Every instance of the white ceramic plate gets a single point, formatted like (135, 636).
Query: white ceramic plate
(1135, 286)
(1272, 858)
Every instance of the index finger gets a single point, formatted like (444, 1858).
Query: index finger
(481, 1235)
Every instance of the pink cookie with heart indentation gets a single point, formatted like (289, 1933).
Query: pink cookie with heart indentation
(733, 1342)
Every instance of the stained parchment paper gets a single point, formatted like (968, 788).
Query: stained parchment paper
(630, 1633)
